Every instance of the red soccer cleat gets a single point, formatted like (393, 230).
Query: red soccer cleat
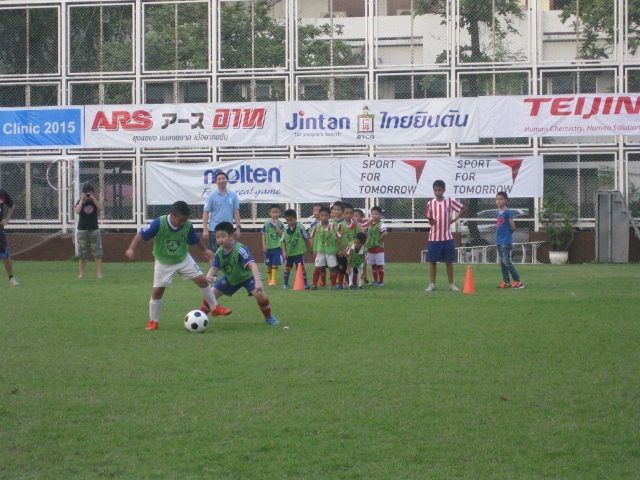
(219, 310)
(152, 325)
(205, 307)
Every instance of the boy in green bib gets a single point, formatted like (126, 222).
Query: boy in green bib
(295, 240)
(271, 243)
(357, 259)
(240, 270)
(173, 234)
(326, 244)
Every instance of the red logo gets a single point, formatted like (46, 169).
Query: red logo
(418, 165)
(239, 118)
(138, 120)
(515, 167)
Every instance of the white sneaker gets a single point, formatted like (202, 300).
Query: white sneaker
(430, 288)
(453, 288)
(13, 282)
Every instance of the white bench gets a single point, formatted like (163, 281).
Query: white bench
(526, 252)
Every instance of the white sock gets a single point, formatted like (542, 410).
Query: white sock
(154, 309)
(209, 296)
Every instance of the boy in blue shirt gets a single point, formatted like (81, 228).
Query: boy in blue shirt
(505, 226)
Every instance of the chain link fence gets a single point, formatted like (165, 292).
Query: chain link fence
(67, 52)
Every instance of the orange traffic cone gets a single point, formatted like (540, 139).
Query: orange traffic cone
(299, 282)
(468, 282)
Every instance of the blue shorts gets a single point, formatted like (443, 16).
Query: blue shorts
(444, 250)
(273, 257)
(295, 260)
(4, 249)
(227, 289)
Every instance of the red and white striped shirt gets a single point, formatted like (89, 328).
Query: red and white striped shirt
(441, 213)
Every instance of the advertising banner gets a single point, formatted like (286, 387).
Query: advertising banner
(464, 177)
(378, 122)
(559, 116)
(40, 128)
(257, 181)
(187, 125)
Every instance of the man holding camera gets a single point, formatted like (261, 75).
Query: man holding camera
(87, 210)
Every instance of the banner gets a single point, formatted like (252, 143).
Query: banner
(559, 116)
(40, 128)
(378, 122)
(182, 125)
(257, 181)
(464, 177)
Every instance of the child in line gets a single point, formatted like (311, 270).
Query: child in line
(356, 260)
(173, 234)
(441, 246)
(505, 226)
(271, 245)
(239, 269)
(295, 241)
(358, 217)
(376, 232)
(348, 230)
(316, 216)
(326, 244)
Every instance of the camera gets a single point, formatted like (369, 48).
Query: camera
(88, 195)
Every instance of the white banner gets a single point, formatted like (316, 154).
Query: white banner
(187, 125)
(257, 181)
(464, 177)
(378, 122)
(559, 116)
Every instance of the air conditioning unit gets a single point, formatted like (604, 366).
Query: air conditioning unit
(335, 14)
(404, 11)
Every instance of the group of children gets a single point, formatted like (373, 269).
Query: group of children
(343, 241)
(341, 238)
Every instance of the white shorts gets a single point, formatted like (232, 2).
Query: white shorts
(375, 258)
(163, 272)
(325, 260)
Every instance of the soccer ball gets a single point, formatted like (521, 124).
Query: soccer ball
(196, 321)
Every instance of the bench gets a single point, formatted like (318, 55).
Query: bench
(526, 252)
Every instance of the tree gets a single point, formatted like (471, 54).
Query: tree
(590, 19)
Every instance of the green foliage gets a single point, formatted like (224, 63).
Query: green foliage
(383, 383)
(314, 51)
(595, 18)
(558, 218)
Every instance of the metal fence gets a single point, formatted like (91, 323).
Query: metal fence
(71, 52)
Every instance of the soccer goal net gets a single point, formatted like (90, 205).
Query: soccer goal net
(44, 191)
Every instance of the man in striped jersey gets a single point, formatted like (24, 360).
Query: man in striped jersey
(441, 247)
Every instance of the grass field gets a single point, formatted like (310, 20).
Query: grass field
(384, 383)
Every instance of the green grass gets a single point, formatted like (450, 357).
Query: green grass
(384, 383)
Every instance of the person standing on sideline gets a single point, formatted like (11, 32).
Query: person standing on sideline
(87, 210)
(505, 226)
(6, 203)
(441, 246)
(222, 205)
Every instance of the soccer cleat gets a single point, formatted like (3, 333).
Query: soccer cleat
(205, 307)
(354, 287)
(366, 282)
(517, 285)
(430, 288)
(313, 287)
(152, 325)
(13, 282)
(286, 287)
(381, 284)
(322, 283)
(375, 284)
(339, 287)
(306, 286)
(220, 310)
(453, 288)
(332, 287)
(504, 285)
(272, 321)
(272, 283)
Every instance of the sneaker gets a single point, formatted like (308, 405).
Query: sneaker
(354, 287)
(339, 287)
(220, 310)
(272, 283)
(313, 287)
(430, 288)
(13, 282)
(366, 282)
(272, 321)
(453, 288)
(307, 286)
(375, 284)
(504, 285)
(152, 325)
(286, 287)
(381, 284)
(332, 287)
(205, 307)
(322, 283)
(517, 285)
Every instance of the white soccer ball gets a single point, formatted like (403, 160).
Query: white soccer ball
(196, 321)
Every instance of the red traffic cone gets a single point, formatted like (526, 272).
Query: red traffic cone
(299, 282)
(468, 282)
